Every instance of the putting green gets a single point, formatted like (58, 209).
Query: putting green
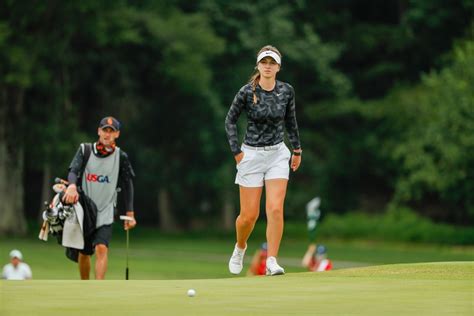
(403, 289)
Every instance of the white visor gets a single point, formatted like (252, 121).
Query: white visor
(269, 53)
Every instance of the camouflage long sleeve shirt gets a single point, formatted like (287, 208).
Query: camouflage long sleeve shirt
(267, 119)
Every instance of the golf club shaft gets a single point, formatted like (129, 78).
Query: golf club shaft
(126, 265)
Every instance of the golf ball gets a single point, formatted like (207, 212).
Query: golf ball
(191, 292)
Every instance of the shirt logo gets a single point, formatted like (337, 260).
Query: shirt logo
(91, 177)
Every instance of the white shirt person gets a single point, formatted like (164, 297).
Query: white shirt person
(16, 269)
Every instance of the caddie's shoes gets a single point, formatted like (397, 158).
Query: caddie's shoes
(236, 262)
(273, 268)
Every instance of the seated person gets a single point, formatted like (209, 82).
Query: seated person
(318, 261)
(313, 214)
(16, 269)
(259, 261)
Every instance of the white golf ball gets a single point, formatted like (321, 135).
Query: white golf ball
(191, 292)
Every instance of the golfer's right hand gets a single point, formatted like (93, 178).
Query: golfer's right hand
(71, 196)
(239, 157)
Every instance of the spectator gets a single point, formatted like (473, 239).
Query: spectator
(16, 269)
(313, 214)
(259, 261)
(318, 261)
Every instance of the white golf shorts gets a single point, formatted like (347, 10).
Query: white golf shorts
(263, 163)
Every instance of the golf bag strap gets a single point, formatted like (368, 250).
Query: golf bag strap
(86, 153)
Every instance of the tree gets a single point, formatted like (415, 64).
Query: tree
(151, 70)
(385, 43)
(16, 75)
(436, 167)
(411, 148)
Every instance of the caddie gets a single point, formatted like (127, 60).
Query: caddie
(101, 170)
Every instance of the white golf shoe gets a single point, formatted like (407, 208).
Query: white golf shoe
(236, 262)
(273, 268)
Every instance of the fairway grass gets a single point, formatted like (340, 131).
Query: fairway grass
(401, 289)
(159, 257)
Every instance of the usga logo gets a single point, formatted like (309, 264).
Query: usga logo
(97, 178)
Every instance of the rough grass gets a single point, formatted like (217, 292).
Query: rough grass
(156, 256)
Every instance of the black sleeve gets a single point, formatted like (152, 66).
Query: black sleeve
(128, 193)
(75, 166)
(290, 122)
(126, 175)
(231, 120)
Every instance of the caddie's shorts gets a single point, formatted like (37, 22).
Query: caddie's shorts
(263, 163)
(102, 235)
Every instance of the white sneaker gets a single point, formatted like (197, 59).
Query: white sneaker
(273, 268)
(236, 262)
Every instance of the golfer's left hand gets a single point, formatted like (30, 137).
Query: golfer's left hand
(295, 162)
(130, 224)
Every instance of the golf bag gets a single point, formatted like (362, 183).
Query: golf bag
(55, 214)
(70, 224)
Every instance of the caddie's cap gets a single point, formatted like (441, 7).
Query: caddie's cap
(16, 254)
(111, 122)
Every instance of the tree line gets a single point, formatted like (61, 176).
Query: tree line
(384, 101)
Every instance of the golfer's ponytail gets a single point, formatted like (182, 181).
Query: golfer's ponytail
(254, 80)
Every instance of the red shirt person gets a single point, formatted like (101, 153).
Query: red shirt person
(319, 261)
(259, 261)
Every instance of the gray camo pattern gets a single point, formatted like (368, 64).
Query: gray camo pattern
(266, 120)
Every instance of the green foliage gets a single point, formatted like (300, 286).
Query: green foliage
(169, 70)
(248, 25)
(390, 41)
(394, 225)
(436, 135)
(411, 148)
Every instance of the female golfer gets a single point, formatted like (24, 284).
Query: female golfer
(263, 158)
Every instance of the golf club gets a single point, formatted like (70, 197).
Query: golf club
(126, 218)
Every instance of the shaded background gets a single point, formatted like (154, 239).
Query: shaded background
(384, 95)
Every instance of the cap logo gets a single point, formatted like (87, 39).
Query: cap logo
(109, 121)
(269, 53)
